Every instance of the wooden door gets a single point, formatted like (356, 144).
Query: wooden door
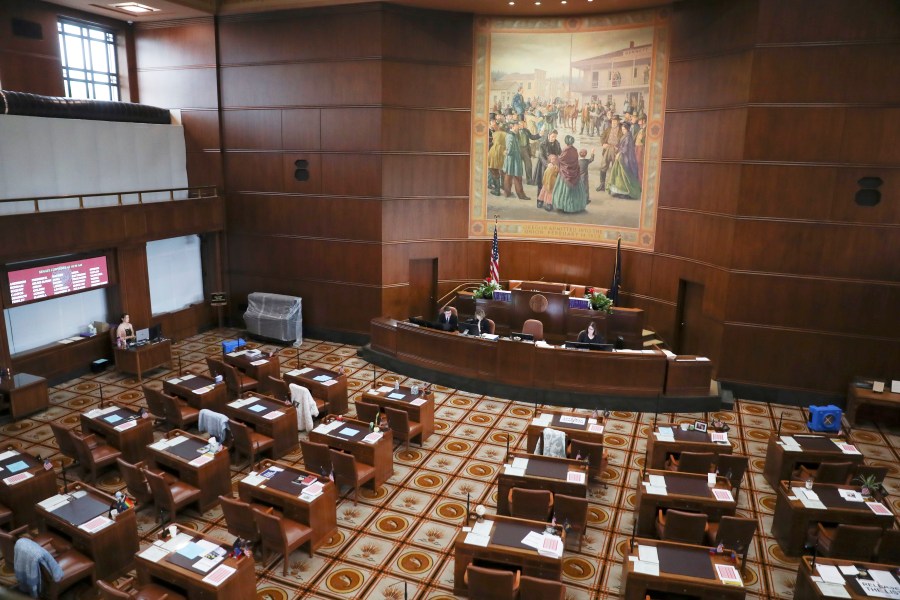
(423, 287)
(692, 327)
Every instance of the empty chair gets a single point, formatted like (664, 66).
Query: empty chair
(679, 526)
(136, 482)
(366, 412)
(491, 326)
(889, 548)
(316, 457)
(155, 404)
(64, 441)
(828, 472)
(93, 454)
(850, 542)
(349, 471)
(282, 535)
(491, 584)
(733, 467)
(534, 328)
(6, 515)
(248, 442)
(401, 425)
(734, 533)
(594, 453)
(179, 414)
(128, 591)
(692, 462)
(239, 518)
(215, 367)
(238, 383)
(170, 496)
(278, 388)
(876, 472)
(571, 512)
(535, 505)
(69, 567)
(534, 588)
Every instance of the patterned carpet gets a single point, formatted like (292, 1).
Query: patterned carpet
(404, 531)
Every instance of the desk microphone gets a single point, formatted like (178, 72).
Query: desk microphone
(101, 395)
(633, 533)
(780, 417)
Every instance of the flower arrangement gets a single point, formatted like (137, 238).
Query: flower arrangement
(598, 300)
(869, 484)
(486, 289)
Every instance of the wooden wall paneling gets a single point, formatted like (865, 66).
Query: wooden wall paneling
(701, 186)
(289, 173)
(843, 206)
(707, 81)
(827, 21)
(395, 302)
(428, 175)
(310, 216)
(29, 65)
(787, 134)
(787, 191)
(351, 129)
(863, 143)
(134, 284)
(725, 26)
(301, 129)
(426, 130)
(179, 87)
(58, 361)
(425, 218)
(426, 85)
(395, 260)
(252, 129)
(171, 219)
(176, 44)
(667, 271)
(205, 168)
(435, 35)
(201, 130)
(703, 237)
(352, 174)
(256, 172)
(636, 270)
(689, 134)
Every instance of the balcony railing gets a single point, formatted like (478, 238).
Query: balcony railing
(12, 206)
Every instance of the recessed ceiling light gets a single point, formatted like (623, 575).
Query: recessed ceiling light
(134, 7)
(511, 3)
(564, 2)
(537, 3)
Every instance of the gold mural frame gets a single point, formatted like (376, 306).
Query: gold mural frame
(480, 222)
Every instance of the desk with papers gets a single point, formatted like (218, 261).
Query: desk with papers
(506, 540)
(674, 568)
(139, 359)
(672, 439)
(367, 447)
(23, 483)
(420, 408)
(83, 518)
(122, 428)
(798, 508)
(198, 391)
(785, 453)
(186, 455)
(576, 427)
(300, 495)
(269, 417)
(328, 386)
(681, 491)
(199, 565)
(534, 472)
(881, 393)
(838, 578)
(255, 364)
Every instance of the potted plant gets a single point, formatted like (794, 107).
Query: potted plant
(598, 300)
(869, 484)
(486, 290)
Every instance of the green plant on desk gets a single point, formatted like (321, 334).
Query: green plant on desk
(486, 290)
(869, 484)
(598, 300)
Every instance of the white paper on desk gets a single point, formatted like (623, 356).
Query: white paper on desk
(533, 539)
(201, 460)
(174, 381)
(253, 478)
(729, 575)
(373, 437)
(830, 574)
(647, 568)
(385, 389)
(206, 546)
(418, 402)
(658, 481)
(204, 389)
(177, 440)
(330, 382)
(126, 425)
(788, 440)
(96, 524)
(154, 553)
(648, 553)
(53, 502)
(490, 336)
(513, 471)
(723, 495)
(8, 454)
(884, 579)
(477, 540)
(655, 490)
(321, 378)
(520, 463)
(304, 370)
(205, 564)
(260, 362)
(348, 431)
(188, 376)
(396, 396)
(832, 590)
(220, 574)
(665, 433)
(13, 479)
(160, 445)
(895, 386)
(273, 415)
(878, 508)
(575, 477)
(293, 372)
(878, 386)
(242, 402)
(483, 528)
(257, 408)
(178, 542)
(851, 495)
(595, 428)
(849, 570)
(848, 448)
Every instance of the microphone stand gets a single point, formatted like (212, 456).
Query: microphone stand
(179, 364)
(101, 395)
(780, 417)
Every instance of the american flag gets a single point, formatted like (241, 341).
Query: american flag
(495, 258)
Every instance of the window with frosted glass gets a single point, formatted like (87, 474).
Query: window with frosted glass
(89, 63)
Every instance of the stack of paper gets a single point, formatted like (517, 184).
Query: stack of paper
(595, 428)
(178, 542)
(153, 553)
(418, 402)
(878, 508)
(808, 498)
(54, 502)
(575, 477)
(533, 539)
(327, 427)
(719, 437)
(253, 478)
(373, 437)
(273, 415)
(126, 425)
(221, 573)
(790, 444)
(542, 421)
(665, 434)
(848, 448)
(647, 560)
(201, 460)
(723, 495)
(729, 575)
(96, 524)
(330, 382)
(260, 362)
(656, 485)
(311, 492)
(14, 479)
(551, 546)
(480, 534)
(397, 396)
(851, 495)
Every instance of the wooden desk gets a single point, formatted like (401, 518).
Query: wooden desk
(684, 491)
(379, 455)
(806, 589)
(860, 393)
(122, 428)
(420, 408)
(282, 428)
(111, 548)
(576, 427)
(685, 441)
(25, 393)
(816, 448)
(213, 478)
(688, 376)
(792, 520)
(505, 547)
(543, 473)
(334, 395)
(282, 492)
(139, 359)
(683, 569)
(240, 585)
(195, 390)
(20, 493)
(258, 366)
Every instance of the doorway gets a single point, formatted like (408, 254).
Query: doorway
(691, 327)
(423, 287)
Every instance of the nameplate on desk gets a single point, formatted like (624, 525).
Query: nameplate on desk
(895, 386)
(570, 420)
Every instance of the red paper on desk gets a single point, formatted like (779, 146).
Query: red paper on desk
(219, 574)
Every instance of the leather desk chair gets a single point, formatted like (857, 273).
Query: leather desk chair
(571, 512)
(215, 367)
(93, 454)
(859, 471)
(828, 472)
(51, 542)
(240, 518)
(64, 441)
(492, 327)
(889, 548)
(452, 310)
(515, 284)
(248, 442)
(850, 542)
(533, 588)
(734, 533)
(491, 584)
(597, 457)
(170, 497)
(127, 591)
(178, 414)
(238, 383)
(136, 482)
(349, 471)
(282, 535)
(155, 405)
(576, 291)
(679, 526)
(366, 412)
(534, 328)
(402, 428)
(692, 462)
(535, 505)
(316, 457)
(733, 467)
(278, 388)
(76, 567)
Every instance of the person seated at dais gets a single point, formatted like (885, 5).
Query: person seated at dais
(480, 320)
(591, 335)
(447, 320)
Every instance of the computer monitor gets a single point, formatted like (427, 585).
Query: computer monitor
(421, 322)
(522, 336)
(469, 328)
(155, 332)
(589, 346)
(142, 336)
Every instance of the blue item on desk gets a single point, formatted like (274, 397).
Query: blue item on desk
(17, 466)
(824, 418)
(232, 345)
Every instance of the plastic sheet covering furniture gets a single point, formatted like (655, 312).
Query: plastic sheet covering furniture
(274, 316)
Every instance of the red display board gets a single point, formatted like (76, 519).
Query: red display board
(40, 283)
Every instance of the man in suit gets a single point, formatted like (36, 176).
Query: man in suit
(447, 320)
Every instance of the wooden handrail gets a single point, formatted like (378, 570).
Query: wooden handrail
(441, 300)
(202, 191)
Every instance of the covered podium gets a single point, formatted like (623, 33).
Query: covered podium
(274, 316)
